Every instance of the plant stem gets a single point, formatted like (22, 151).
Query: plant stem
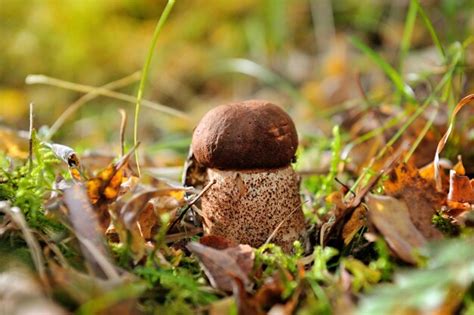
(146, 69)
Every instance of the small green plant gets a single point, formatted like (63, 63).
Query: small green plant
(27, 186)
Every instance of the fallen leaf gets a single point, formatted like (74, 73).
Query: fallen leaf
(68, 156)
(194, 174)
(217, 241)
(459, 167)
(441, 144)
(219, 265)
(244, 301)
(357, 220)
(14, 143)
(104, 188)
(86, 227)
(332, 230)
(461, 191)
(391, 218)
(460, 199)
(131, 211)
(420, 197)
(270, 293)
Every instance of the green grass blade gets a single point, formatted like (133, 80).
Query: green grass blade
(146, 69)
(403, 88)
(431, 29)
(407, 33)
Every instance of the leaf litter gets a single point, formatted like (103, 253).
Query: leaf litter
(113, 208)
(104, 240)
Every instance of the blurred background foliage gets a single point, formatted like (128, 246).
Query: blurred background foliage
(295, 53)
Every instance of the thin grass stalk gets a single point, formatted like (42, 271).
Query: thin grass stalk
(146, 69)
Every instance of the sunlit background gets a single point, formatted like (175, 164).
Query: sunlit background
(297, 54)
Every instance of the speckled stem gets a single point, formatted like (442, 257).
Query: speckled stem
(247, 206)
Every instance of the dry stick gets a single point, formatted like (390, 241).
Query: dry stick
(181, 235)
(54, 248)
(88, 97)
(35, 249)
(30, 140)
(42, 79)
(123, 124)
(104, 263)
(361, 89)
(191, 203)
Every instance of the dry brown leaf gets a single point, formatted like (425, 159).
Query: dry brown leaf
(68, 156)
(464, 101)
(137, 219)
(459, 167)
(419, 195)
(194, 174)
(268, 298)
(104, 188)
(357, 220)
(131, 211)
(14, 143)
(342, 212)
(245, 303)
(86, 227)
(217, 241)
(461, 191)
(391, 218)
(221, 265)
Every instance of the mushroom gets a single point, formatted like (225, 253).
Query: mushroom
(247, 149)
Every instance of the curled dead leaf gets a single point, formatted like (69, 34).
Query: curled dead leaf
(391, 218)
(86, 227)
(221, 265)
(461, 191)
(68, 156)
(441, 144)
(419, 196)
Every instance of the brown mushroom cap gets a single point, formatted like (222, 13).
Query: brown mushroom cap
(246, 135)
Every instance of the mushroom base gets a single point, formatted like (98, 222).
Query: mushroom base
(248, 206)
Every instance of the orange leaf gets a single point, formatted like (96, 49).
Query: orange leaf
(419, 195)
(461, 192)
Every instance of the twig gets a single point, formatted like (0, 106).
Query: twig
(123, 125)
(42, 79)
(346, 188)
(88, 97)
(35, 249)
(30, 140)
(191, 203)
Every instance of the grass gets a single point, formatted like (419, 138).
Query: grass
(167, 279)
(145, 71)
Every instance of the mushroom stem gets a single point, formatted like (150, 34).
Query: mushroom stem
(247, 206)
